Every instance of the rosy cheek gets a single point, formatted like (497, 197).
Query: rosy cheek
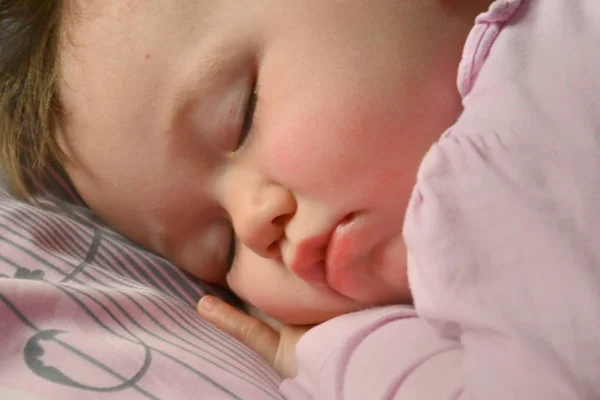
(301, 154)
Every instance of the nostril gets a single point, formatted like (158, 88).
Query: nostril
(280, 220)
(348, 218)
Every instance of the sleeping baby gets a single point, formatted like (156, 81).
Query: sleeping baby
(319, 159)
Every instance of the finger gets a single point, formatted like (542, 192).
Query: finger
(252, 332)
(285, 361)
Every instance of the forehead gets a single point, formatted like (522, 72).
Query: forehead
(120, 29)
(117, 8)
(110, 46)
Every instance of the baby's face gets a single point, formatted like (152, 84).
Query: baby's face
(166, 145)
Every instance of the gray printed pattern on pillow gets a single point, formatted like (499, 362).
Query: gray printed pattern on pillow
(85, 313)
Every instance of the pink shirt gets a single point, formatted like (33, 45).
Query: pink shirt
(503, 232)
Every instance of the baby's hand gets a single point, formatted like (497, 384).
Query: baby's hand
(278, 348)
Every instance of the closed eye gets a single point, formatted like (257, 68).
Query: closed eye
(248, 116)
(244, 132)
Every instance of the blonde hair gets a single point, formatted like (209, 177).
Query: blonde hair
(29, 108)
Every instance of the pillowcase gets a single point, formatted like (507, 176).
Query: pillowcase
(85, 313)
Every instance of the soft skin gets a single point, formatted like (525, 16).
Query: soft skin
(350, 97)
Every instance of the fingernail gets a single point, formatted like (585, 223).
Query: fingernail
(208, 303)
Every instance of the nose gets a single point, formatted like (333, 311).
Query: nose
(259, 218)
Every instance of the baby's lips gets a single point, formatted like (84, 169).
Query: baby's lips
(309, 259)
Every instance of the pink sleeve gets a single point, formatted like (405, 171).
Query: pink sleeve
(503, 240)
(375, 354)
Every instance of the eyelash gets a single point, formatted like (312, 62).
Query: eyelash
(248, 116)
(232, 248)
(245, 130)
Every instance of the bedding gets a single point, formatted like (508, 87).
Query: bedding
(86, 314)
